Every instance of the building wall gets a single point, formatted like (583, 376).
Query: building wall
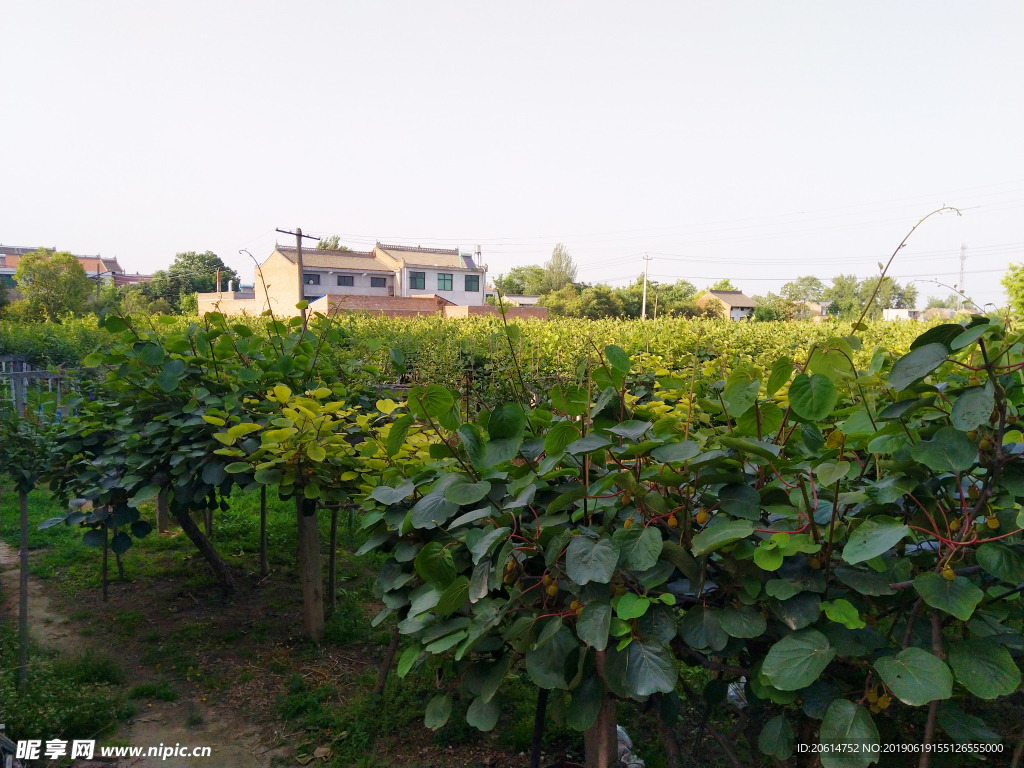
(282, 282)
(525, 313)
(361, 283)
(389, 306)
(458, 294)
(208, 302)
(738, 313)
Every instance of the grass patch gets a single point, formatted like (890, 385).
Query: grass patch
(160, 690)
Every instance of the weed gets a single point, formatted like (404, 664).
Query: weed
(194, 716)
(128, 621)
(160, 690)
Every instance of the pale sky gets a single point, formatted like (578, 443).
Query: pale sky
(754, 141)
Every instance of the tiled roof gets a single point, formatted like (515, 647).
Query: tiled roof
(354, 260)
(428, 257)
(418, 249)
(734, 299)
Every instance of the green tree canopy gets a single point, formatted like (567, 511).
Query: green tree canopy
(950, 302)
(560, 269)
(521, 281)
(844, 295)
(724, 285)
(807, 288)
(564, 302)
(331, 243)
(1013, 282)
(53, 284)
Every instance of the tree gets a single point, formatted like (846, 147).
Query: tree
(724, 285)
(808, 288)
(773, 308)
(194, 272)
(560, 269)
(53, 284)
(1013, 282)
(950, 302)
(890, 295)
(331, 243)
(564, 302)
(844, 297)
(521, 281)
(669, 298)
(599, 301)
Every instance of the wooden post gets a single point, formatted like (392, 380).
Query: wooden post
(310, 569)
(103, 568)
(163, 513)
(538, 726)
(264, 566)
(208, 521)
(389, 657)
(23, 593)
(601, 740)
(332, 567)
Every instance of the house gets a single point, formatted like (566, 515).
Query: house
(391, 279)
(901, 314)
(735, 305)
(96, 267)
(512, 299)
(817, 311)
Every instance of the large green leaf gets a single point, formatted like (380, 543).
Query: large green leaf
(984, 667)
(560, 435)
(964, 728)
(942, 334)
(797, 660)
(812, 397)
(435, 565)
(453, 597)
(439, 709)
(915, 364)
(781, 371)
(639, 546)
(483, 714)
(949, 450)
(873, 537)
(742, 621)
(431, 511)
(719, 533)
(973, 407)
(676, 453)
(482, 547)
(849, 736)
(642, 668)
(387, 495)
(958, 597)
(508, 420)
(617, 358)
(701, 628)
(587, 699)
(593, 624)
(466, 493)
(970, 336)
(776, 738)
(589, 560)
(546, 664)
(740, 500)
(741, 391)
(433, 401)
(1002, 562)
(915, 676)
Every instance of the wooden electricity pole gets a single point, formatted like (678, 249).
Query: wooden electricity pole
(298, 263)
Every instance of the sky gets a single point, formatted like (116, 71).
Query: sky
(751, 141)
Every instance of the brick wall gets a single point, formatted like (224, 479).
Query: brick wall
(526, 313)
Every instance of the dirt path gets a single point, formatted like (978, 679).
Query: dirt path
(234, 742)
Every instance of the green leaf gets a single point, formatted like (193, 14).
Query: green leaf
(958, 597)
(617, 358)
(483, 715)
(768, 556)
(145, 493)
(467, 493)
(121, 543)
(719, 534)
(639, 546)
(588, 560)
(141, 529)
(387, 495)
(812, 397)
(409, 657)
(797, 660)
(963, 728)
(546, 665)
(942, 334)
(843, 612)
(94, 537)
(701, 628)
(316, 452)
(781, 371)
(454, 596)
(1002, 562)
(482, 547)
(949, 450)
(743, 621)
(631, 606)
(431, 511)
(560, 435)
(676, 453)
(93, 360)
(115, 324)
(631, 429)
(776, 739)
(969, 336)
(973, 407)
(984, 667)
(507, 421)
(644, 667)
(396, 436)
(740, 501)
(829, 473)
(587, 699)
(916, 364)
(439, 709)
(915, 676)
(849, 735)
(874, 537)
(500, 450)
(593, 625)
(473, 441)
(435, 565)
(741, 391)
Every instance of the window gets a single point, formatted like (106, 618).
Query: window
(418, 280)
(444, 281)
(348, 280)
(309, 279)
(472, 283)
(378, 282)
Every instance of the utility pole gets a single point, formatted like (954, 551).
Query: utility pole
(298, 262)
(643, 302)
(960, 285)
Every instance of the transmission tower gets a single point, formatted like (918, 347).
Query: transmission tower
(960, 285)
